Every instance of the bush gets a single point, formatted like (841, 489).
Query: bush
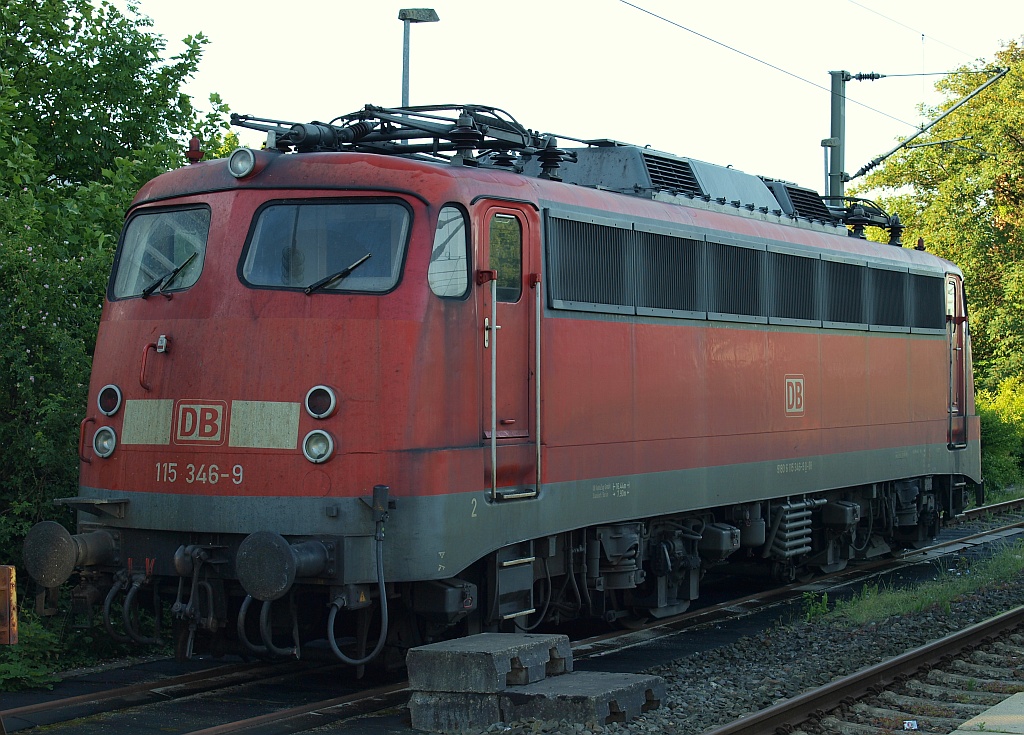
(50, 645)
(29, 664)
(1002, 433)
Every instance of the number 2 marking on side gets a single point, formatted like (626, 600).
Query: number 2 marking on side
(473, 514)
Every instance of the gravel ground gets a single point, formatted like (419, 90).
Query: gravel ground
(713, 688)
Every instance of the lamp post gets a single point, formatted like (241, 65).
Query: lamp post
(408, 16)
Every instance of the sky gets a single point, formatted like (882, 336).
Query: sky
(739, 82)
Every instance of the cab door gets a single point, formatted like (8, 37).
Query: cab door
(956, 329)
(506, 288)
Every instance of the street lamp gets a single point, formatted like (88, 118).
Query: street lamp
(409, 16)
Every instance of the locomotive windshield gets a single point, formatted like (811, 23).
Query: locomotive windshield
(162, 250)
(297, 244)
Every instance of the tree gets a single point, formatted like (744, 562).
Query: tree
(92, 86)
(88, 112)
(963, 195)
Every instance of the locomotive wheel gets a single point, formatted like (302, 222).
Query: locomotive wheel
(784, 572)
(180, 635)
(833, 568)
(635, 620)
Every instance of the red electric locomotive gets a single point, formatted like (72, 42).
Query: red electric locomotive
(563, 382)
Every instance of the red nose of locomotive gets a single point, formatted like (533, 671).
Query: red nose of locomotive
(231, 435)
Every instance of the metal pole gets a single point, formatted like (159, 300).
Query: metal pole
(494, 389)
(405, 63)
(408, 16)
(838, 133)
(536, 374)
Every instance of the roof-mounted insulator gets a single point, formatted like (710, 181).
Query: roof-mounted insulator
(896, 229)
(357, 131)
(858, 219)
(504, 159)
(551, 157)
(466, 138)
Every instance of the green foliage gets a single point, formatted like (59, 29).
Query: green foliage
(49, 645)
(956, 579)
(93, 86)
(88, 112)
(31, 663)
(963, 195)
(1002, 432)
(815, 605)
(48, 317)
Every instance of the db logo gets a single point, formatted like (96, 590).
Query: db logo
(794, 395)
(199, 423)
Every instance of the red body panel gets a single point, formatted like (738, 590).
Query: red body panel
(410, 370)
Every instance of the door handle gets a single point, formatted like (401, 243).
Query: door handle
(487, 331)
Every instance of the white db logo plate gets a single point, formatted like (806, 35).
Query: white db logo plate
(199, 422)
(794, 395)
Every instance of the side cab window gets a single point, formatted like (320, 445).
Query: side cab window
(448, 272)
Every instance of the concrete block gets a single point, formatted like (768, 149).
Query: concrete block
(453, 712)
(1005, 717)
(585, 696)
(487, 662)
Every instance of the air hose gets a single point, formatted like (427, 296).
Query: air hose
(380, 512)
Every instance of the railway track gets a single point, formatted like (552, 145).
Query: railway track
(602, 644)
(936, 687)
(147, 692)
(225, 682)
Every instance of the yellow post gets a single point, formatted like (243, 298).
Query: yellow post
(8, 606)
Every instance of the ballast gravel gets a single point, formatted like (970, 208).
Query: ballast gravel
(712, 688)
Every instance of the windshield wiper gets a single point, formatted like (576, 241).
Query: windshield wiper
(334, 277)
(165, 280)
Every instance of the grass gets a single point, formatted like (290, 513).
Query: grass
(1001, 495)
(956, 579)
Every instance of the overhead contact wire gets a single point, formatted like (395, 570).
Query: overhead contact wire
(762, 61)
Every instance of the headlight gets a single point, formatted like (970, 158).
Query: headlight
(321, 401)
(241, 162)
(104, 441)
(109, 400)
(318, 446)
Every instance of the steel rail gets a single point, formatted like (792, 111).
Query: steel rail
(321, 713)
(174, 687)
(1015, 504)
(817, 701)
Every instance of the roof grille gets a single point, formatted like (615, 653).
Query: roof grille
(807, 203)
(673, 174)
